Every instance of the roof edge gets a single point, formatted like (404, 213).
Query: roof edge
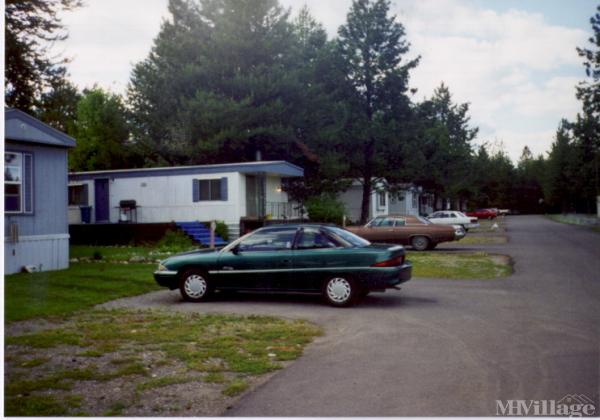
(17, 113)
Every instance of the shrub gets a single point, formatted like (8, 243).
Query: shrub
(97, 255)
(175, 240)
(222, 230)
(325, 209)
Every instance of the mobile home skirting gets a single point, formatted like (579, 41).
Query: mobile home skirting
(45, 252)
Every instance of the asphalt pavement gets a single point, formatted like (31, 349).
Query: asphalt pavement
(443, 347)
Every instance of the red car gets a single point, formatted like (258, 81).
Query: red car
(483, 214)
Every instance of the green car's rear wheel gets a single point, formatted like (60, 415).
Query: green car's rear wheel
(340, 290)
(195, 286)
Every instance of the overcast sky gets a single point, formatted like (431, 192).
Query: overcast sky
(514, 61)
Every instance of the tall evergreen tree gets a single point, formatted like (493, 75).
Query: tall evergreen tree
(589, 91)
(445, 149)
(31, 27)
(559, 189)
(586, 128)
(230, 71)
(319, 117)
(529, 182)
(58, 106)
(372, 45)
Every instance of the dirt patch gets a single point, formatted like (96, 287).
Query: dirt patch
(501, 259)
(117, 368)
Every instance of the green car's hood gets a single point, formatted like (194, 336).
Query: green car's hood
(200, 256)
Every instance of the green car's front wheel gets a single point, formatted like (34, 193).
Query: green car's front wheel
(340, 291)
(195, 286)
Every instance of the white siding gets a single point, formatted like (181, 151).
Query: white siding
(273, 184)
(407, 204)
(169, 198)
(163, 199)
(352, 199)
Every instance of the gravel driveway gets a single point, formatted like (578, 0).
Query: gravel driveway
(441, 347)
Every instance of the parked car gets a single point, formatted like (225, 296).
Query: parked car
(291, 258)
(416, 231)
(453, 217)
(483, 213)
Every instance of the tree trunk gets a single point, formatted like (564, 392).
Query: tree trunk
(366, 201)
(367, 177)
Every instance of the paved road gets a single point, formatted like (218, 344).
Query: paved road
(443, 347)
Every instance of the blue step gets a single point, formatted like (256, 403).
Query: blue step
(199, 233)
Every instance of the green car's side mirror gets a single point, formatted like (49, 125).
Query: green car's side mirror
(236, 250)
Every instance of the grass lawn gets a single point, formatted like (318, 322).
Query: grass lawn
(118, 253)
(472, 265)
(83, 285)
(74, 368)
(483, 239)
(588, 220)
(485, 226)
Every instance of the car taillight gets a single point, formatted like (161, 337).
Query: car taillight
(394, 262)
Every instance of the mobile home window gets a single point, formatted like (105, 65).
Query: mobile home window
(210, 189)
(78, 195)
(13, 182)
(381, 198)
(18, 177)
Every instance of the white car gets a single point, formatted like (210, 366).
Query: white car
(453, 217)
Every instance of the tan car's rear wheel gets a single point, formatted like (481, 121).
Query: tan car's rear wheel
(419, 243)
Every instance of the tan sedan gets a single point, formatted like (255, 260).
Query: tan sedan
(415, 231)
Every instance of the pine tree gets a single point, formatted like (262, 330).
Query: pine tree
(31, 27)
(586, 128)
(445, 146)
(372, 46)
(228, 67)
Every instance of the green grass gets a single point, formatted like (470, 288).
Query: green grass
(115, 409)
(34, 362)
(116, 253)
(218, 349)
(472, 265)
(589, 221)
(166, 381)
(33, 405)
(215, 378)
(125, 253)
(235, 387)
(29, 385)
(83, 285)
(483, 240)
(485, 226)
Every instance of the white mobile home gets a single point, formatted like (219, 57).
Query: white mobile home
(410, 200)
(352, 200)
(228, 192)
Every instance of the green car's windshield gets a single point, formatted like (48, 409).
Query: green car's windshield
(349, 237)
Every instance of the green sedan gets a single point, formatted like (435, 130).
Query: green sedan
(304, 258)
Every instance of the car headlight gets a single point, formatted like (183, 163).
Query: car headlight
(161, 267)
